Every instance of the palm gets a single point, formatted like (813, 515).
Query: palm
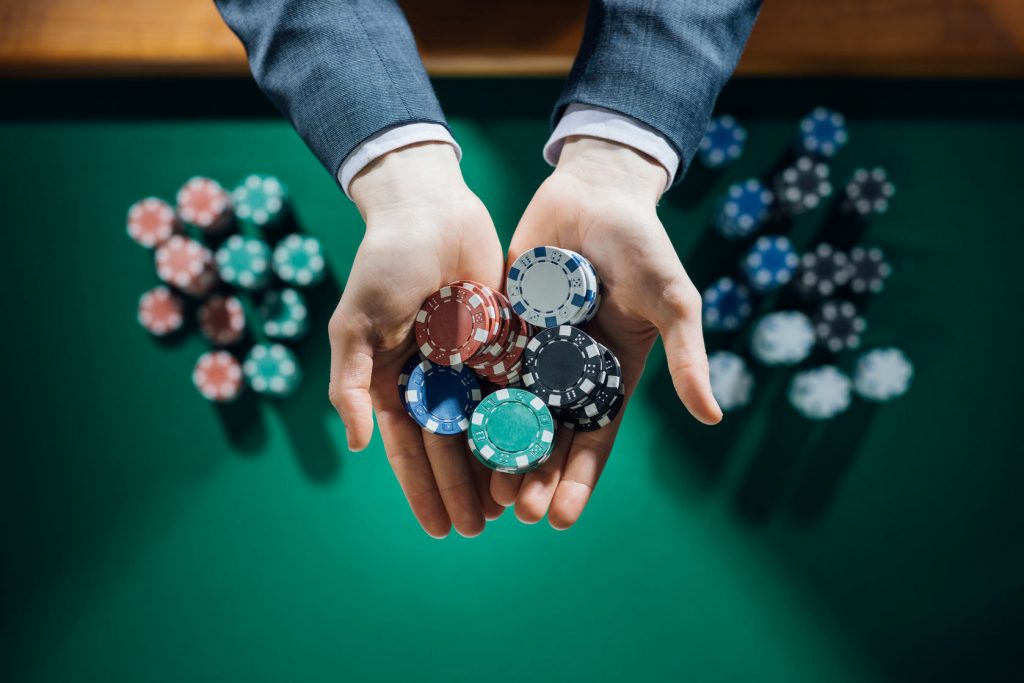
(407, 254)
(645, 288)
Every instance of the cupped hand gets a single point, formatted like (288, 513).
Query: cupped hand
(601, 201)
(424, 229)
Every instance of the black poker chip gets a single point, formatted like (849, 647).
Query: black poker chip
(868, 270)
(562, 365)
(603, 398)
(822, 272)
(802, 186)
(868, 192)
(838, 325)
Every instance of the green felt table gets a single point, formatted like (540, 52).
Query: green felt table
(149, 536)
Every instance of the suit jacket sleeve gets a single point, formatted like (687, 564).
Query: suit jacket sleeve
(662, 62)
(340, 70)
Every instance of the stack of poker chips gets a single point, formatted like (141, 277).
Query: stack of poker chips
(831, 284)
(550, 286)
(217, 282)
(722, 143)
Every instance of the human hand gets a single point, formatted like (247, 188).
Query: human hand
(424, 229)
(601, 201)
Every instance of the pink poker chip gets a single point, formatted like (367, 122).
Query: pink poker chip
(218, 376)
(152, 221)
(161, 311)
(184, 263)
(205, 204)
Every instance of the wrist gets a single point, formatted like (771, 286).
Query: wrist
(411, 175)
(612, 166)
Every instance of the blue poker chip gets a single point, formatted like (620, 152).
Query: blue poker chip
(403, 379)
(727, 304)
(743, 210)
(770, 263)
(441, 398)
(723, 142)
(822, 133)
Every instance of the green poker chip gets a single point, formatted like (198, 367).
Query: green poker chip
(244, 262)
(283, 314)
(272, 370)
(299, 260)
(260, 200)
(512, 431)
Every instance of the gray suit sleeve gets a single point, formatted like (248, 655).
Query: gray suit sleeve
(662, 62)
(340, 70)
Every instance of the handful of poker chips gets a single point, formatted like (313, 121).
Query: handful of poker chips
(483, 368)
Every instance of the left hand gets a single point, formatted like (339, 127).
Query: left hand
(601, 201)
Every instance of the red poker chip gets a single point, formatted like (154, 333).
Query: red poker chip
(493, 352)
(152, 221)
(161, 311)
(222, 320)
(452, 325)
(218, 376)
(205, 204)
(186, 264)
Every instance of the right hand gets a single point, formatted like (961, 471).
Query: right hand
(424, 229)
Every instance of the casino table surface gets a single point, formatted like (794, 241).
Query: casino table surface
(150, 536)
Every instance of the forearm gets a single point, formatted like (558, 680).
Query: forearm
(340, 71)
(662, 63)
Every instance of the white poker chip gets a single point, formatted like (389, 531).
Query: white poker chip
(820, 393)
(548, 287)
(783, 338)
(882, 374)
(732, 383)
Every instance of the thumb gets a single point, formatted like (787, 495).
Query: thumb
(680, 328)
(351, 372)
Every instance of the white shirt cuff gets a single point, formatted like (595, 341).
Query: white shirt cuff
(597, 122)
(388, 140)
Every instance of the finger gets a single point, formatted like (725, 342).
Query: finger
(586, 460)
(455, 482)
(403, 442)
(505, 487)
(351, 372)
(482, 481)
(680, 328)
(538, 487)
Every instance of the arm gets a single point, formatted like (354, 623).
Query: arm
(660, 64)
(340, 71)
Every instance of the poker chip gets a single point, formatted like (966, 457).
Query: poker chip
(299, 261)
(272, 370)
(602, 405)
(184, 263)
(592, 300)
(868, 270)
(820, 393)
(562, 365)
(260, 200)
(882, 374)
(452, 325)
(868, 192)
(512, 431)
(732, 383)
(802, 186)
(822, 272)
(441, 398)
(783, 338)
(222, 320)
(218, 377)
(151, 222)
(822, 133)
(770, 263)
(743, 210)
(838, 325)
(161, 311)
(244, 262)
(726, 305)
(205, 204)
(283, 314)
(723, 142)
(547, 287)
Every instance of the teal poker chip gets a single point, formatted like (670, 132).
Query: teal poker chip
(260, 200)
(512, 431)
(244, 262)
(272, 370)
(299, 260)
(284, 315)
